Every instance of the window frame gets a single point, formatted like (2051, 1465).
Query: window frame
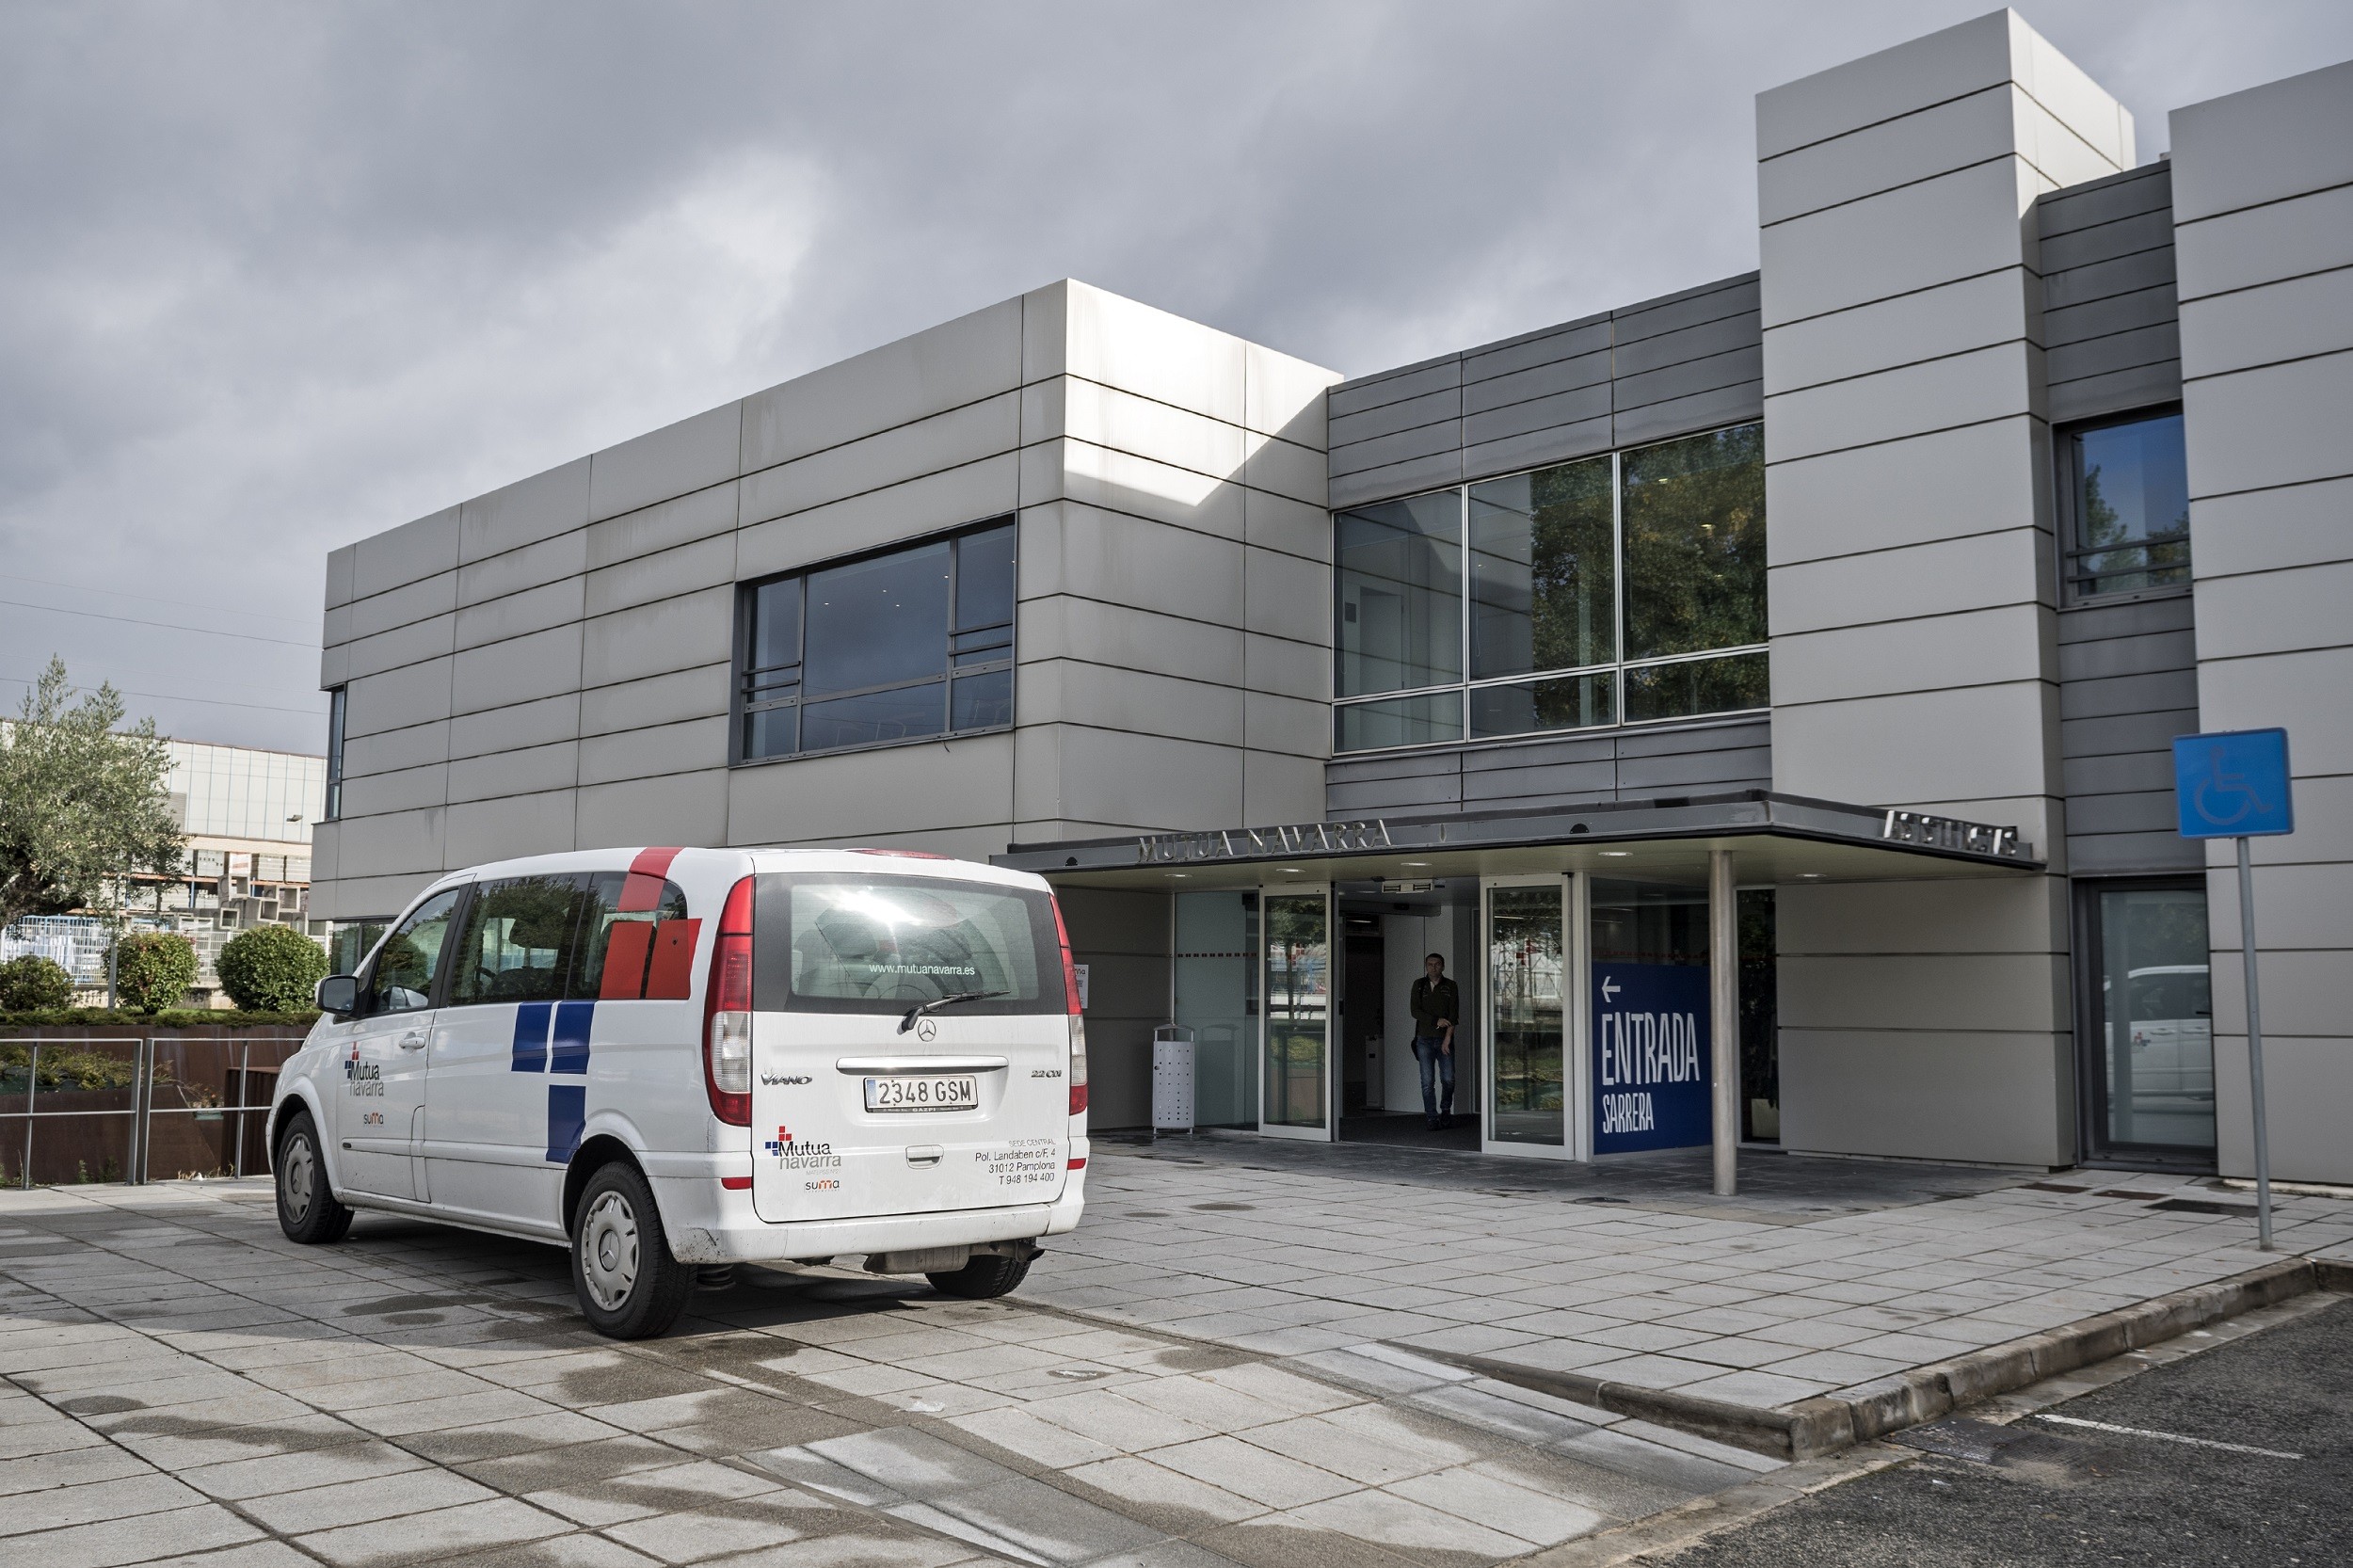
(2087, 972)
(1616, 670)
(338, 714)
(739, 665)
(2067, 487)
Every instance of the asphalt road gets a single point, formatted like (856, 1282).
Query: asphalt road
(2055, 1495)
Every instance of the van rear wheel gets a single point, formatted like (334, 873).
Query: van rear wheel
(629, 1286)
(988, 1274)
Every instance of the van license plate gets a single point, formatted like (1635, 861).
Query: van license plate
(907, 1092)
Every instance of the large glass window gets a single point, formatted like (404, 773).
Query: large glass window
(1401, 587)
(1621, 589)
(335, 711)
(897, 647)
(1298, 1006)
(1217, 997)
(2126, 489)
(1526, 934)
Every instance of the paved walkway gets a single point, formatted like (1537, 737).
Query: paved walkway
(1822, 1277)
(178, 1385)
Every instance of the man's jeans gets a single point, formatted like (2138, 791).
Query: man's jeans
(1437, 1098)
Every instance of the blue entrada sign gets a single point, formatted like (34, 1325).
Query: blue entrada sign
(2233, 784)
(1650, 1057)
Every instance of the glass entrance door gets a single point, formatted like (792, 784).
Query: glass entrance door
(1296, 981)
(2149, 1040)
(1528, 962)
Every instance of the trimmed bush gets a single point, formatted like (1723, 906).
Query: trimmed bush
(34, 985)
(153, 969)
(270, 969)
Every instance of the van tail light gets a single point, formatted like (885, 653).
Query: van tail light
(1069, 970)
(1078, 1067)
(727, 1012)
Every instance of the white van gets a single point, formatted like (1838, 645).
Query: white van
(673, 1058)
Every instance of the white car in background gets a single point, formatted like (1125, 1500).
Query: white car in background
(2169, 1011)
(671, 1058)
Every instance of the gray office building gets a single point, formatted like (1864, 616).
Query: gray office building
(1760, 697)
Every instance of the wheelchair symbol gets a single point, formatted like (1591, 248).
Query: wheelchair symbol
(2228, 786)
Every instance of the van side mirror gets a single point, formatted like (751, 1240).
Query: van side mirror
(338, 994)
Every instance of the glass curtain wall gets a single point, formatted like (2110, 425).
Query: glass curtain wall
(2152, 1016)
(1298, 947)
(1618, 589)
(1527, 954)
(1217, 997)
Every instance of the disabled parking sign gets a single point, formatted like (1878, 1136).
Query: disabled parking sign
(2233, 784)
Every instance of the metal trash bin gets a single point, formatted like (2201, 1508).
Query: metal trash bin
(1172, 1080)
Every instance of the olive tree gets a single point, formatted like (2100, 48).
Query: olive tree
(82, 800)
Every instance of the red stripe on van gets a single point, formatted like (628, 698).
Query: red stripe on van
(671, 976)
(625, 961)
(643, 891)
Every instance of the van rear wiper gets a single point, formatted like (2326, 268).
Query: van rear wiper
(922, 1007)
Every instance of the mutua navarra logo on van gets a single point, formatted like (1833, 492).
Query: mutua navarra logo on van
(364, 1077)
(801, 1156)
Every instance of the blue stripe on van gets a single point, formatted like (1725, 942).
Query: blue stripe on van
(571, 1052)
(567, 1112)
(531, 1037)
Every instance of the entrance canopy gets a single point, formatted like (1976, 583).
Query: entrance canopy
(1774, 839)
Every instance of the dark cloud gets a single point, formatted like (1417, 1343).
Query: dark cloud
(278, 276)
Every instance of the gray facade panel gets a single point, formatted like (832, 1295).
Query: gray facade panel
(1431, 408)
(2144, 269)
(2118, 393)
(2142, 854)
(2124, 732)
(1658, 422)
(1408, 478)
(2142, 232)
(1731, 768)
(2128, 684)
(2106, 201)
(1560, 443)
(1542, 413)
(1672, 313)
(2099, 319)
(2159, 343)
(1393, 386)
(1538, 381)
(2155, 691)
(1594, 769)
(1403, 446)
(1590, 335)
(1372, 796)
(1726, 335)
(1690, 379)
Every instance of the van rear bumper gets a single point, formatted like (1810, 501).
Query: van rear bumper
(708, 1223)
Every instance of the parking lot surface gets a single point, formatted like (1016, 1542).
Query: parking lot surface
(182, 1384)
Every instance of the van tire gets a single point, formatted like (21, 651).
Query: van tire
(307, 1209)
(629, 1286)
(988, 1275)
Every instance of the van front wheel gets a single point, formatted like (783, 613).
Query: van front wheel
(629, 1286)
(986, 1275)
(307, 1209)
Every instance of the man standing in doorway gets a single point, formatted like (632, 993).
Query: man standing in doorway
(1436, 1008)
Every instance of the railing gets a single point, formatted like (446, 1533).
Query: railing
(136, 1108)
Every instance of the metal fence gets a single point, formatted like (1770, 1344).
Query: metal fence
(137, 1108)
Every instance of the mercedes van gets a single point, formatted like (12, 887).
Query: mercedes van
(669, 1059)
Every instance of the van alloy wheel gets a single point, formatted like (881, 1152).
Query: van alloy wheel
(608, 1250)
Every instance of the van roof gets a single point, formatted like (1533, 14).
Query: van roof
(875, 861)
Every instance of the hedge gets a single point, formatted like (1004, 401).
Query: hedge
(153, 969)
(270, 967)
(123, 1020)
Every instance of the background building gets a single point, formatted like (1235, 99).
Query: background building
(1890, 569)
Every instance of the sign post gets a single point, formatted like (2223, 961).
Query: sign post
(2233, 784)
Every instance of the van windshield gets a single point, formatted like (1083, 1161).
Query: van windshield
(829, 943)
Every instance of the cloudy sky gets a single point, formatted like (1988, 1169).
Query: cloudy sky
(276, 276)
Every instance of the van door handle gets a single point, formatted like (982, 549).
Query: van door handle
(413, 1040)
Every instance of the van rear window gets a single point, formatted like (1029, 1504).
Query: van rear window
(824, 943)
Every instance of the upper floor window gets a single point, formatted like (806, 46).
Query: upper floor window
(900, 646)
(1615, 589)
(335, 753)
(2124, 493)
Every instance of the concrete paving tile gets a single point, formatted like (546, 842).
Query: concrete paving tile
(142, 1538)
(1251, 1472)
(1042, 1442)
(578, 1550)
(720, 1527)
(1836, 1367)
(1492, 1500)
(1047, 1522)
(121, 1499)
(267, 1474)
(1644, 1336)
(1399, 1523)
(868, 1545)
(1166, 1499)
(253, 1553)
(1654, 1372)
(910, 1462)
(431, 1537)
(355, 1502)
(1361, 1450)
(500, 1439)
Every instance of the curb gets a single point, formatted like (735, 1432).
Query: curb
(1830, 1422)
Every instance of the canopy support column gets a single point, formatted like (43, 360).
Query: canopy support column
(1724, 964)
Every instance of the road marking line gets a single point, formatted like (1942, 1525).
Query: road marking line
(2167, 1436)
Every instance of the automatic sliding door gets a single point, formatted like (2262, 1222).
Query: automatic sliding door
(1527, 945)
(1297, 986)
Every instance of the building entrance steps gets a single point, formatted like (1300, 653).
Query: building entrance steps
(1832, 1301)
